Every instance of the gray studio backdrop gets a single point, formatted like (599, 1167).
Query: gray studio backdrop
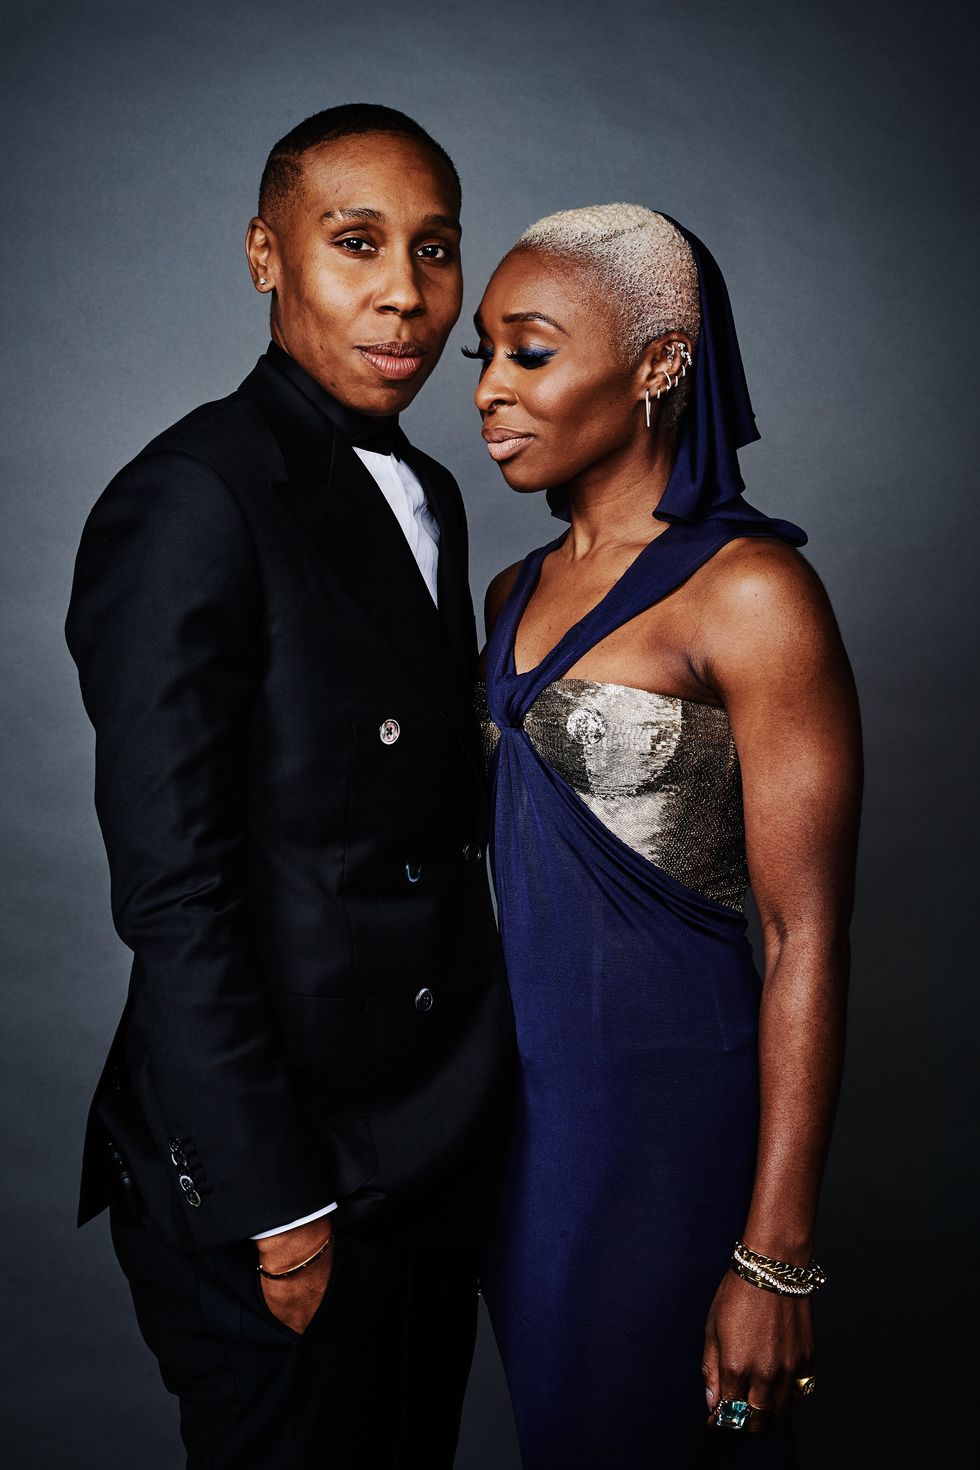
(821, 150)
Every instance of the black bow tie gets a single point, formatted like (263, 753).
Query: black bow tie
(379, 435)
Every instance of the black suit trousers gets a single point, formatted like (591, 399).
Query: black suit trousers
(376, 1381)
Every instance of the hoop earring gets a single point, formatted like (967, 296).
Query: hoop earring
(686, 360)
(647, 397)
(670, 385)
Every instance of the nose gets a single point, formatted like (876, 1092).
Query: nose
(494, 389)
(400, 289)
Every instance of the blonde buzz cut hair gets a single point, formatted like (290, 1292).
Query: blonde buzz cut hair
(646, 263)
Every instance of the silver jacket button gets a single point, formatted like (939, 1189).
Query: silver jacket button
(389, 732)
(425, 1000)
(190, 1193)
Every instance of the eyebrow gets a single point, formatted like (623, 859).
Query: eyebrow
(357, 212)
(524, 316)
(364, 212)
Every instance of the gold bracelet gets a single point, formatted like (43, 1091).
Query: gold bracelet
(774, 1275)
(804, 1274)
(281, 1275)
(767, 1282)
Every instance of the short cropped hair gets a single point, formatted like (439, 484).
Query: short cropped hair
(645, 262)
(284, 166)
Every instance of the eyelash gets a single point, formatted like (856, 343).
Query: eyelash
(359, 240)
(527, 357)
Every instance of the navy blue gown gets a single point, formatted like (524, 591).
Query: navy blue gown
(632, 1152)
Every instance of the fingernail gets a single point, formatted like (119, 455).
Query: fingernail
(710, 1397)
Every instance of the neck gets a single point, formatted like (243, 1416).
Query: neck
(612, 503)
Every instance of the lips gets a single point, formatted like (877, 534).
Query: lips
(504, 443)
(394, 360)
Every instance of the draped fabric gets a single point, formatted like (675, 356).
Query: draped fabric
(632, 1151)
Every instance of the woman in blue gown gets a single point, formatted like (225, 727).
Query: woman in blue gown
(669, 715)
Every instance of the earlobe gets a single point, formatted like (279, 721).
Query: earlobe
(258, 247)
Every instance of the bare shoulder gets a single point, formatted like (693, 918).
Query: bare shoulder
(755, 581)
(765, 620)
(498, 593)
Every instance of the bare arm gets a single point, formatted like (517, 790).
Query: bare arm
(493, 605)
(771, 648)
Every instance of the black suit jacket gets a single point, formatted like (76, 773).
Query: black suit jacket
(317, 1008)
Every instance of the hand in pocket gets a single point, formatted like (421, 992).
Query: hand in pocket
(294, 1300)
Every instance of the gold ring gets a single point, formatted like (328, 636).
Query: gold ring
(806, 1385)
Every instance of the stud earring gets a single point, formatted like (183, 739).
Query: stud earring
(647, 397)
(263, 281)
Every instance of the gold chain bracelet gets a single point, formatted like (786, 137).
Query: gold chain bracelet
(773, 1275)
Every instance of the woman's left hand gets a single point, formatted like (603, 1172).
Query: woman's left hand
(756, 1345)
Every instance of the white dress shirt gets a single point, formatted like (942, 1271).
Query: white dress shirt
(406, 497)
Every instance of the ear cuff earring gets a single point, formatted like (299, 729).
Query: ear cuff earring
(686, 360)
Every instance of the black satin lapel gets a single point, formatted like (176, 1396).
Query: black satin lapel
(354, 530)
(452, 576)
(456, 606)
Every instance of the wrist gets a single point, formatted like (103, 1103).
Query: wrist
(773, 1274)
(289, 1246)
(793, 1247)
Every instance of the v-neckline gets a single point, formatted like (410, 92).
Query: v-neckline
(536, 563)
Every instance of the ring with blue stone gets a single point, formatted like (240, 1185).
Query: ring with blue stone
(732, 1413)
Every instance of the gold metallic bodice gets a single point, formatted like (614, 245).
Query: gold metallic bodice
(659, 771)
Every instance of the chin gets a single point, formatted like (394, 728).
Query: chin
(394, 397)
(382, 399)
(524, 481)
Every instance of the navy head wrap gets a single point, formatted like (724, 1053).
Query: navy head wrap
(718, 421)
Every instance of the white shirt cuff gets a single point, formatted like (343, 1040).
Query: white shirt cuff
(293, 1224)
